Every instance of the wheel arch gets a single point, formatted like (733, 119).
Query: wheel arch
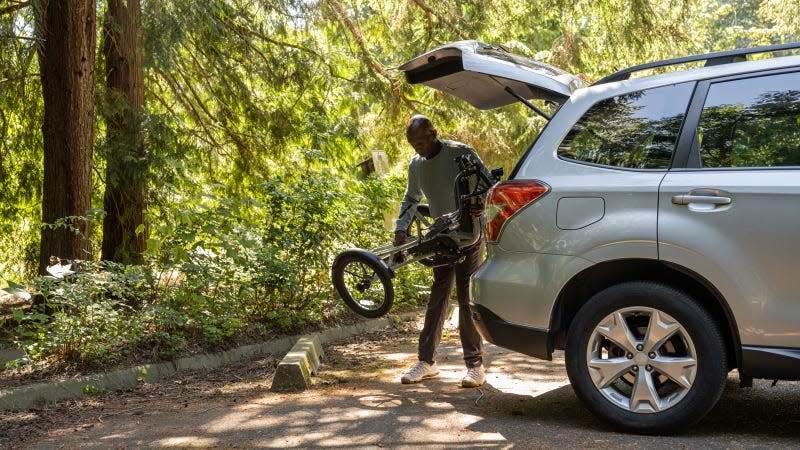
(580, 288)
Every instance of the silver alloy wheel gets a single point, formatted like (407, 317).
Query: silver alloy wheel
(641, 359)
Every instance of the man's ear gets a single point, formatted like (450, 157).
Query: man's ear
(433, 132)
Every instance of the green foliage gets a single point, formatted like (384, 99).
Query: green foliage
(21, 110)
(217, 265)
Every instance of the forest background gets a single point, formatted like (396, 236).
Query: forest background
(201, 155)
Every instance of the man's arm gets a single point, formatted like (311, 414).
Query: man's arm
(411, 199)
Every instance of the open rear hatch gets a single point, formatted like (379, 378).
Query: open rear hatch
(487, 76)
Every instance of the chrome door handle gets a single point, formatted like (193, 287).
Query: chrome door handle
(707, 199)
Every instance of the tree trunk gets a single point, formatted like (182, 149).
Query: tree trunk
(126, 160)
(66, 59)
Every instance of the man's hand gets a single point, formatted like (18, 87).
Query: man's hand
(399, 238)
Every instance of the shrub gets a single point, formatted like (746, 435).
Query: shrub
(217, 266)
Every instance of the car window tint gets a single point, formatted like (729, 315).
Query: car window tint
(636, 130)
(753, 122)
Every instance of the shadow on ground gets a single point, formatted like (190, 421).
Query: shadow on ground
(357, 402)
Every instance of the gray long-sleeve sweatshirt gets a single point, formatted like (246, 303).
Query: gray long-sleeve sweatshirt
(434, 178)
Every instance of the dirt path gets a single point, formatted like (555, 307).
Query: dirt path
(357, 402)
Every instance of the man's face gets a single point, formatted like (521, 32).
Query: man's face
(423, 139)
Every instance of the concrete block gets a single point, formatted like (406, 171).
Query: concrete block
(295, 370)
(38, 394)
(153, 373)
(207, 361)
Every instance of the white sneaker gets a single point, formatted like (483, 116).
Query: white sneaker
(419, 372)
(475, 377)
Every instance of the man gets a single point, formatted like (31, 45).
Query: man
(432, 173)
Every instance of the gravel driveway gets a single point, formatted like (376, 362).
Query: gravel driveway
(358, 402)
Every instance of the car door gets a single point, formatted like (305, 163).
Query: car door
(732, 215)
(487, 76)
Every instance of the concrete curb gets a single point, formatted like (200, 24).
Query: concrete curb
(295, 370)
(30, 396)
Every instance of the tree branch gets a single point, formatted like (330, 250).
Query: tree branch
(241, 29)
(15, 36)
(359, 38)
(244, 31)
(430, 12)
(21, 77)
(15, 7)
(187, 104)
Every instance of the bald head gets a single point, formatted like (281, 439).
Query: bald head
(418, 122)
(422, 136)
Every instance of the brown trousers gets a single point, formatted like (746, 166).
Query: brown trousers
(443, 279)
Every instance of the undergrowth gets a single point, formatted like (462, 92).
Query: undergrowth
(218, 268)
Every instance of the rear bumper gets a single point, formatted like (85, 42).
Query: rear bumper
(520, 338)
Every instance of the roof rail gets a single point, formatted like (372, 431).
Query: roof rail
(711, 59)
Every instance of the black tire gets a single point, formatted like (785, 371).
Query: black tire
(645, 398)
(364, 282)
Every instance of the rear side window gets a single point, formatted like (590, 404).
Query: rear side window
(636, 130)
(753, 122)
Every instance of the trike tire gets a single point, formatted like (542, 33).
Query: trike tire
(356, 264)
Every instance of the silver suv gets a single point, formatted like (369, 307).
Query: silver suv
(651, 231)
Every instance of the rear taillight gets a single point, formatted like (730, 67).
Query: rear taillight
(505, 199)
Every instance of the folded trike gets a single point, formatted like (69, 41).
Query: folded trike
(363, 278)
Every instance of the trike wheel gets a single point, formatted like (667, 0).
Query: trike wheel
(364, 282)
